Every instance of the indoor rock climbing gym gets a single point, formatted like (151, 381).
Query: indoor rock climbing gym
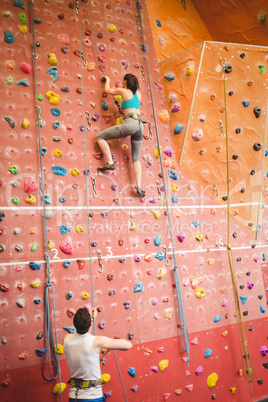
(133, 196)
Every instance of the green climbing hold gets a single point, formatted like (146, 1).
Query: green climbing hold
(15, 200)
(13, 169)
(22, 17)
(9, 80)
(261, 68)
(249, 370)
(34, 247)
(40, 97)
(262, 18)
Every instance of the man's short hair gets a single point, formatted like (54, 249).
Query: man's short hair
(82, 321)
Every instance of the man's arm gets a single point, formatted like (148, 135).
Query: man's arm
(101, 342)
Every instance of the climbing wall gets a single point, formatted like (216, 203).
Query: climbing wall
(129, 276)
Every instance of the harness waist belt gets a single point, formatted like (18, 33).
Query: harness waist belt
(79, 383)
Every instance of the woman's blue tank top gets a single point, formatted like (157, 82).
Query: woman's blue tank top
(133, 103)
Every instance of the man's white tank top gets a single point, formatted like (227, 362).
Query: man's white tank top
(83, 363)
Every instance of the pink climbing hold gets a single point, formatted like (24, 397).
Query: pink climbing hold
(224, 303)
(30, 185)
(155, 369)
(188, 373)
(168, 152)
(26, 68)
(166, 396)
(199, 370)
(66, 245)
(194, 341)
(189, 387)
(64, 39)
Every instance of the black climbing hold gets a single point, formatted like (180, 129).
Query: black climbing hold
(253, 245)
(226, 315)
(252, 172)
(225, 198)
(37, 44)
(100, 35)
(245, 356)
(245, 313)
(250, 224)
(2, 215)
(257, 111)
(248, 273)
(241, 286)
(238, 130)
(230, 93)
(213, 397)
(71, 5)
(87, 172)
(260, 297)
(103, 79)
(235, 157)
(260, 381)
(234, 235)
(257, 146)
(265, 365)
(242, 55)
(40, 335)
(227, 68)
(238, 259)
(243, 190)
(251, 328)
(1, 248)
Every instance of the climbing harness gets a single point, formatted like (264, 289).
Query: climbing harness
(184, 337)
(245, 354)
(79, 383)
(49, 341)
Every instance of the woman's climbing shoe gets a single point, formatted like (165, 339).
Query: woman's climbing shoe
(140, 192)
(106, 166)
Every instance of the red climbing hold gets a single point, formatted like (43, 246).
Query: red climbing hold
(81, 264)
(70, 313)
(6, 382)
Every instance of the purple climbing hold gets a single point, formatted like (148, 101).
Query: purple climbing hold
(135, 388)
(130, 335)
(102, 324)
(250, 284)
(264, 350)
(82, 127)
(181, 237)
(137, 258)
(94, 244)
(65, 89)
(175, 108)
(107, 394)
(104, 214)
(114, 187)
(95, 116)
(64, 49)
(122, 259)
(111, 292)
(126, 305)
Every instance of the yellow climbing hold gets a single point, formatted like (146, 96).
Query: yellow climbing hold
(31, 199)
(105, 378)
(155, 213)
(190, 70)
(225, 333)
(198, 236)
(84, 295)
(35, 284)
(118, 98)
(156, 151)
(23, 29)
(175, 188)
(119, 120)
(52, 59)
(50, 245)
(163, 364)
(161, 273)
(53, 98)
(164, 116)
(75, 172)
(132, 226)
(111, 28)
(59, 349)
(57, 153)
(59, 388)
(232, 390)
(79, 229)
(25, 123)
(200, 293)
(212, 379)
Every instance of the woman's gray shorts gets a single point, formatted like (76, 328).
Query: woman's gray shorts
(131, 126)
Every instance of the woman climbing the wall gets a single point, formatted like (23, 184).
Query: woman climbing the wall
(132, 125)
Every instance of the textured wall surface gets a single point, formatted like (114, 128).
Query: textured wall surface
(128, 256)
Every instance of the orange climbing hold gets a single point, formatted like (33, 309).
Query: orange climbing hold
(178, 391)
(148, 257)
(169, 163)
(10, 64)
(91, 66)
(164, 116)
(23, 355)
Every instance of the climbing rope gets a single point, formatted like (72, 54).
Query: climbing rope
(184, 337)
(49, 342)
(245, 354)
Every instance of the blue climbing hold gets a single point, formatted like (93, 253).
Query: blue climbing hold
(55, 111)
(138, 287)
(47, 199)
(195, 223)
(217, 318)
(34, 266)
(23, 82)
(175, 199)
(160, 255)
(143, 47)
(37, 300)
(243, 299)
(172, 174)
(262, 309)
(208, 352)
(178, 128)
(64, 229)
(158, 23)
(69, 295)
(131, 371)
(264, 256)
(19, 3)
(40, 352)
(59, 170)
(54, 73)
(9, 37)
(56, 125)
(71, 330)
(67, 263)
(245, 104)
(169, 77)
(43, 151)
(104, 106)
(157, 240)
(62, 199)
